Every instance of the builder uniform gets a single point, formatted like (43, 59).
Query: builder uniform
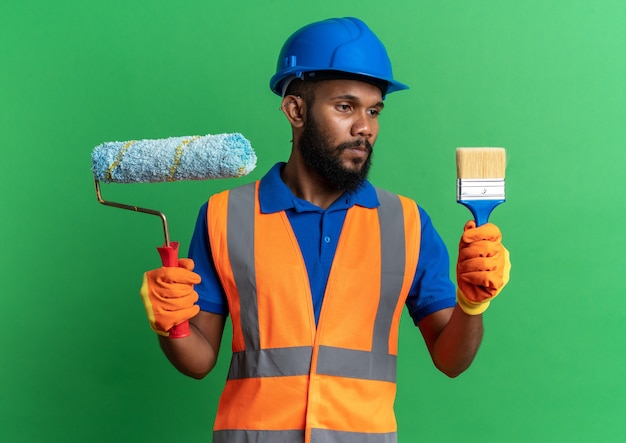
(315, 298)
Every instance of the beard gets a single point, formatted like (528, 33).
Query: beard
(326, 159)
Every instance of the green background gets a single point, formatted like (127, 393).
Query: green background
(543, 78)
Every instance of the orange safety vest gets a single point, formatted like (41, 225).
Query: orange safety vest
(290, 381)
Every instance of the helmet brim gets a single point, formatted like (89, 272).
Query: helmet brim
(277, 82)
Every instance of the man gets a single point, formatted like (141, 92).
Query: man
(314, 265)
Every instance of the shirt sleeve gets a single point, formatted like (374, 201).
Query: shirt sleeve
(432, 289)
(211, 295)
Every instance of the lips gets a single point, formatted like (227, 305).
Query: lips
(358, 146)
(357, 154)
(359, 150)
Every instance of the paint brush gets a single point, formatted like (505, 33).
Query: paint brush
(480, 180)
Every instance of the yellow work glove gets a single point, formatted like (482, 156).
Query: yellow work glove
(168, 295)
(483, 267)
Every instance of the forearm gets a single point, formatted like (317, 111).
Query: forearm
(196, 355)
(457, 344)
(190, 355)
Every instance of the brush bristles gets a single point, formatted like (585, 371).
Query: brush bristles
(477, 163)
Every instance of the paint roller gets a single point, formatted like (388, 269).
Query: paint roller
(167, 160)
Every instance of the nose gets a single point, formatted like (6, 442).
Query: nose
(364, 125)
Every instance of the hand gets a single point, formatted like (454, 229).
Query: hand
(483, 267)
(168, 295)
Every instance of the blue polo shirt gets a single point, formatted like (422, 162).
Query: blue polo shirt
(317, 231)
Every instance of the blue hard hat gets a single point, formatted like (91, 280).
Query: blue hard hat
(334, 48)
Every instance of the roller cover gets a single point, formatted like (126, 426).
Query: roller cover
(173, 159)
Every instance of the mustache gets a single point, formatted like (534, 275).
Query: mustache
(356, 144)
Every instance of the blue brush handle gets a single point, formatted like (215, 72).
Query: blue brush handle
(481, 209)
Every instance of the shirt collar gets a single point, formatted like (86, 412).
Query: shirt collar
(275, 195)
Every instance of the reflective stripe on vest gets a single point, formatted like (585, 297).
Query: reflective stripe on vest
(318, 436)
(255, 364)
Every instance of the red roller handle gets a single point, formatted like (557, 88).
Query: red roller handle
(169, 258)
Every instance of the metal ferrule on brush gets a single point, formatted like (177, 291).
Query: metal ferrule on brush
(480, 196)
(480, 189)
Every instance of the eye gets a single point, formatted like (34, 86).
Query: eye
(343, 107)
(374, 112)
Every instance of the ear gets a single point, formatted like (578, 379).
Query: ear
(294, 109)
